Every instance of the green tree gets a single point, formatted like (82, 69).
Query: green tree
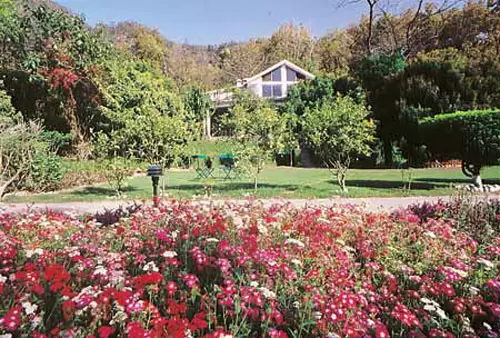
(258, 129)
(145, 117)
(338, 132)
(199, 108)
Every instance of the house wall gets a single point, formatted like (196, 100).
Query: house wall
(255, 86)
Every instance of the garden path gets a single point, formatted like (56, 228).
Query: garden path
(370, 204)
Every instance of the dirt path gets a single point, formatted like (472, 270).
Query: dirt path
(370, 204)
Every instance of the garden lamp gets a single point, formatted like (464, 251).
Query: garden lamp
(155, 171)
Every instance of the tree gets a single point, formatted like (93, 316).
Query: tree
(372, 6)
(294, 43)
(339, 132)
(241, 60)
(54, 59)
(258, 129)
(472, 136)
(199, 107)
(334, 53)
(375, 72)
(146, 119)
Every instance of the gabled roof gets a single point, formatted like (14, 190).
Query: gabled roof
(278, 65)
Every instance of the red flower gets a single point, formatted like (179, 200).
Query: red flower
(105, 331)
(273, 333)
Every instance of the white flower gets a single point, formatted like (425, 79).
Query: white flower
(296, 305)
(317, 315)
(430, 234)
(486, 263)
(267, 293)
(174, 234)
(37, 251)
(487, 326)
(100, 270)
(6, 335)
(474, 291)
(150, 266)
(212, 240)
(254, 284)
(169, 254)
(429, 308)
(3, 279)
(93, 304)
(295, 261)
(295, 242)
(441, 313)
(29, 308)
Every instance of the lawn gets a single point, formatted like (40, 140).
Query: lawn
(282, 182)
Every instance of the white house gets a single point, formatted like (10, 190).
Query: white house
(272, 83)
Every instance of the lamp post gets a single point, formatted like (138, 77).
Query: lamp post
(155, 171)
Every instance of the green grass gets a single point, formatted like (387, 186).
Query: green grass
(283, 182)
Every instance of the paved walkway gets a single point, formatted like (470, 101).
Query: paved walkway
(370, 204)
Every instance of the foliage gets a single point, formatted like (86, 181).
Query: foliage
(57, 142)
(114, 216)
(258, 129)
(473, 136)
(52, 60)
(246, 270)
(45, 172)
(146, 118)
(198, 106)
(117, 174)
(19, 146)
(7, 111)
(338, 132)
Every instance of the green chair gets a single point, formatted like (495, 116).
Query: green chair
(203, 166)
(228, 166)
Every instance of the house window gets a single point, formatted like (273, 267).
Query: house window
(272, 91)
(267, 77)
(291, 75)
(267, 91)
(276, 75)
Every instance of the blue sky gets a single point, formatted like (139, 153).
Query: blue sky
(216, 21)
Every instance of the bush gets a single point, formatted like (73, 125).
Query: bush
(45, 174)
(473, 136)
(57, 142)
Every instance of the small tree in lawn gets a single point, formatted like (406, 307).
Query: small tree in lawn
(258, 129)
(339, 131)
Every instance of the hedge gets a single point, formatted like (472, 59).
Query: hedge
(473, 136)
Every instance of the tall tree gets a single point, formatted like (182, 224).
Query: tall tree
(294, 43)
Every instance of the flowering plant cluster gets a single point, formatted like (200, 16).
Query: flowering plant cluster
(188, 270)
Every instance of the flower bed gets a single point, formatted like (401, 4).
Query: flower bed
(246, 271)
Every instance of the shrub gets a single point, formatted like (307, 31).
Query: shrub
(57, 142)
(46, 172)
(472, 136)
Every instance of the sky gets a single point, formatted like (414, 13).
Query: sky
(205, 22)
